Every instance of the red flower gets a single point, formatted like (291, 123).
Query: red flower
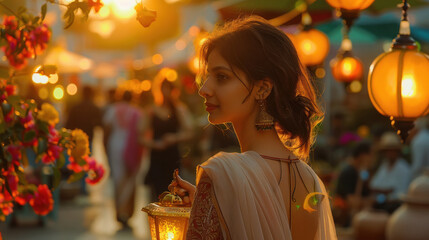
(15, 153)
(22, 199)
(42, 202)
(10, 22)
(54, 151)
(95, 173)
(96, 4)
(6, 204)
(10, 89)
(77, 167)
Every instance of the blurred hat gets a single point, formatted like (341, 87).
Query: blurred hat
(390, 140)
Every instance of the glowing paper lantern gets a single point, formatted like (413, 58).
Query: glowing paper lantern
(397, 81)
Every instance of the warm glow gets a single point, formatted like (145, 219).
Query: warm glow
(53, 78)
(194, 30)
(350, 4)
(194, 64)
(311, 45)
(355, 86)
(43, 93)
(202, 41)
(104, 12)
(39, 78)
(157, 59)
(170, 236)
(180, 44)
(103, 28)
(123, 8)
(58, 92)
(145, 85)
(308, 47)
(348, 66)
(71, 89)
(171, 75)
(408, 86)
(85, 64)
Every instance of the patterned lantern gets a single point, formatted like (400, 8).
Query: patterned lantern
(397, 81)
(168, 219)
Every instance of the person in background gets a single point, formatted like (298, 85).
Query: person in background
(124, 152)
(352, 185)
(170, 123)
(420, 147)
(392, 177)
(85, 116)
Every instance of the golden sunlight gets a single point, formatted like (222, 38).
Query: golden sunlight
(122, 8)
(308, 47)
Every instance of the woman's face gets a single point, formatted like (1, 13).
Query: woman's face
(224, 93)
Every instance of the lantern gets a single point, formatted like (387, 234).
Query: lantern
(168, 219)
(397, 81)
(312, 45)
(345, 67)
(350, 4)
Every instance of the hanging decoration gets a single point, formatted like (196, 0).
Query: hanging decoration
(397, 81)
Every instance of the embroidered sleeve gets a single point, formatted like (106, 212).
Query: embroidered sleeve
(204, 221)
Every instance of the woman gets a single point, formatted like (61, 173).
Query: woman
(122, 121)
(170, 124)
(254, 80)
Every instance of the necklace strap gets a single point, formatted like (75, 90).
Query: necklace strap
(280, 159)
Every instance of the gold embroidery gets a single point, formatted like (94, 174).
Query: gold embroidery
(204, 221)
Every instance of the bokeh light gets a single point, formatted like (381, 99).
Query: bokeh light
(157, 59)
(355, 86)
(194, 30)
(146, 85)
(43, 93)
(71, 89)
(171, 75)
(180, 45)
(58, 92)
(123, 8)
(53, 78)
(320, 72)
(39, 78)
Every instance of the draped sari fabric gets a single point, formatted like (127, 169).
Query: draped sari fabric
(251, 201)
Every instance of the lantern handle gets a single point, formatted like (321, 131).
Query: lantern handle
(404, 39)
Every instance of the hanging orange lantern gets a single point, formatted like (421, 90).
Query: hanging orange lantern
(312, 45)
(345, 67)
(350, 4)
(168, 218)
(397, 81)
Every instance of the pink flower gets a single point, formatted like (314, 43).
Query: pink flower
(10, 89)
(52, 154)
(42, 202)
(95, 172)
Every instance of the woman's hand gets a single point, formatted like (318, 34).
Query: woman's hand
(182, 188)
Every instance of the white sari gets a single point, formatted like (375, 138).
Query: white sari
(251, 201)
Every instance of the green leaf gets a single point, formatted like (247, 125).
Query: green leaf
(44, 10)
(28, 136)
(57, 177)
(36, 19)
(42, 126)
(75, 177)
(6, 107)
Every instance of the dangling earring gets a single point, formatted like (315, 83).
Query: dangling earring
(264, 121)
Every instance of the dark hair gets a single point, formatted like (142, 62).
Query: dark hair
(361, 148)
(262, 51)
